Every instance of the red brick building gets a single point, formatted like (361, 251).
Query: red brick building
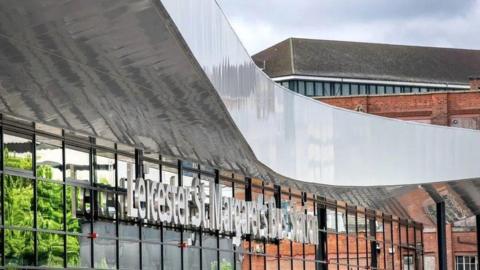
(422, 84)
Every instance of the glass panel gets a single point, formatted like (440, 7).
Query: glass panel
(78, 251)
(129, 250)
(337, 90)
(363, 89)
(389, 90)
(191, 255)
(49, 159)
(105, 253)
(77, 164)
(301, 87)
(310, 90)
(19, 248)
(18, 201)
(354, 89)
(78, 209)
(50, 206)
(17, 152)
(319, 89)
(50, 249)
(327, 89)
(151, 251)
(209, 252)
(380, 89)
(152, 171)
(345, 89)
(128, 254)
(170, 175)
(106, 206)
(105, 168)
(171, 250)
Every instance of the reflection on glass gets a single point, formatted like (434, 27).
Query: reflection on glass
(151, 251)
(77, 164)
(128, 250)
(17, 152)
(105, 168)
(49, 159)
(170, 175)
(50, 206)
(128, 254)
(106, 205)
(171, 250)
(78, 209)
(51, 250)
(209, 252)
(18, 201)
(105, 255)
(78, 251)
(19, 248)
(191, 256)
(226, 257)
(152, 171)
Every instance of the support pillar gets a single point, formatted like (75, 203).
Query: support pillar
(441, 236)
(478, 241)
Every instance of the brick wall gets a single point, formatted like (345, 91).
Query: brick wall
(461, 109)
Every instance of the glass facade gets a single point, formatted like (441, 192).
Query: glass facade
(325, 88)
(63, 204)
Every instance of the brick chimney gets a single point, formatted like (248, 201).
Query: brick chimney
(475, 83)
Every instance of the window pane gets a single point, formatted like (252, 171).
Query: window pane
(363, 89)
(78, 209)
(50, 205)
(105, 168)
(389, 89)
(170, 175)
(318, 89)
(77, 164)
(19, 248)
(50, 249)
(17, 152)
(345, 89)
(106, 205)
(354, 89)
(301, 87)
(129, 250)
(310, 89)
(380, 89)
(18, 201)
(209, 252)
(191, 255)
(105, 257)
(152, 171)
(337, 91)
(171, 249)
(327, 89)
(49, 159)
(151, 251)
(78, 251)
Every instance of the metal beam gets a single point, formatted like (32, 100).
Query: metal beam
(441, 236)
(478, 241)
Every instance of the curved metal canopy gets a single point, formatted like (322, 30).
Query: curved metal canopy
(172, 77)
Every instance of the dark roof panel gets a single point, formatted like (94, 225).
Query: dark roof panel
(370, 61)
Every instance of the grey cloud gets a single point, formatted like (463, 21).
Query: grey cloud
(261, 23)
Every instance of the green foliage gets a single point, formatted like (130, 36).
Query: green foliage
(224, 265)
(19, 212)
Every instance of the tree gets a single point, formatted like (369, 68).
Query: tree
(19, 245)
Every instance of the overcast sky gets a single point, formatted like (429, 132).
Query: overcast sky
(445, 23)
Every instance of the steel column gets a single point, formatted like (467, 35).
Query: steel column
(441, 236)
(478, 241)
